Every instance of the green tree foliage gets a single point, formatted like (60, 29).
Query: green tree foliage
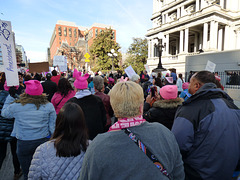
(99, 50)
(137, 54)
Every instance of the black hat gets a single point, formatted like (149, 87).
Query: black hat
(48, 76)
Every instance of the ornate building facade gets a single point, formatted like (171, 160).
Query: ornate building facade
(189, 27)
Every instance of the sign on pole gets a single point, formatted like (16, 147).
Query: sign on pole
(210, 66)
(38, 67)
(61, 62)
(87, 56)
(8, 53)
(130, 71)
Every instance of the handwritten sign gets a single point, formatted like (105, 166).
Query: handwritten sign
(61, 62)
(8, 53)
(210, 66)
(129, 71)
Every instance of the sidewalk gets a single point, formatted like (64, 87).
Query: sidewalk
(7, 171)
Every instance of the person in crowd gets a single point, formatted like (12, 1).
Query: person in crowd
(111, 82)
(190, 75)
(164, 109)
(49, 87)
(63, 94)
(168, 81)
(6, 127)
(71, 79)
(22, 86)
(114, 155)
(218, 83)
(173, 75)
(37, 76)
(56, 76)
(158, 83)
(34, 121)
(106, 87)
(92, 106)
(180, 82)
(185, 94)
(98, 82)
(62, 156)
(135, 78)
(207, 130)
(146, 85)
(27, 77)
(2, 80)
(90, 85)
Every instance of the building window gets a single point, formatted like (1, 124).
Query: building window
(101, 30)
(113, 35)
(60, 38)
(156, 51)
(70, 32)
(60, 31)
(65, 31)
(59, 42)
(96, 32)
(75, 33)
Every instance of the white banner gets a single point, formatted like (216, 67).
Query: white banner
(130, 71)
(61, 61)
(210, 66)
(8, 53)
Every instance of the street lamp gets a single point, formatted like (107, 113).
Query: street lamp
(159, 47)
(113, 55)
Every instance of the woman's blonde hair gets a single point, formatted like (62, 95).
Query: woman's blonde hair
(126, 99)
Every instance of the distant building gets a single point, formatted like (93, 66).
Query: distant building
(190, 27)
(69, 35)
(21, 55)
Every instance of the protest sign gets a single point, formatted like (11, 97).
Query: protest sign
(129, 71)
(210, 66)
(61, 62)
(8, 53)
(38, 67)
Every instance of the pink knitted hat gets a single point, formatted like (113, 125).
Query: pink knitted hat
(185, 85)
(110, 80)
(6, 88)
(33, 88)
(80, 82)
(169, 92)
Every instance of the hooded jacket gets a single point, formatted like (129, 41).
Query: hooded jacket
(163, 111)
(207, 129)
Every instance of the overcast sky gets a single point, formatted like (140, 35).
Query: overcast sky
(33, 21)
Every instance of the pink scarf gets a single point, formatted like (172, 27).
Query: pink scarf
(126, 122)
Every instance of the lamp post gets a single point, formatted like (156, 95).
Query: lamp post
(159, 47)
(112, 54)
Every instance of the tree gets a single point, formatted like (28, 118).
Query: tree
(99, 50)
(137, 54)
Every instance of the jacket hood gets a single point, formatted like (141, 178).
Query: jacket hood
(208, 91)
(171, 103)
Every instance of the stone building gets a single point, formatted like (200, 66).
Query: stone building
(190, 27)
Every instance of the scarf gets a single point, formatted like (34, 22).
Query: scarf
(82, 93)
(126, 123)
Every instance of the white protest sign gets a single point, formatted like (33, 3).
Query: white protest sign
(210, 66)
(61, 62)
(130, 72)
(147, 68)
(8, 53)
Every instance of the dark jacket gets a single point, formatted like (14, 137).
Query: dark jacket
(49, 88)
(6, 125)
(95, 114)
(163, 111)
(106, 101)
(207, 129)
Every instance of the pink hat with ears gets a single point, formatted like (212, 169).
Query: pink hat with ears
(111, 80)
(33, 88)
(185, 85)
(169, 92)
(6, 88)
(80, 82)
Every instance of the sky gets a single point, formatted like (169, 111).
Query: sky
(33, 21)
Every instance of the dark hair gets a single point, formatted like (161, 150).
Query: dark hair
(54, 72)
(12, 91)
(37, 77)
(205, 77)
(180, 76)
(64, 86)
(70, 135)
(158, 82)
(3, 77)
(27, 78)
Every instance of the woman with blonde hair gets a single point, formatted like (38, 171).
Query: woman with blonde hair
(156, 155)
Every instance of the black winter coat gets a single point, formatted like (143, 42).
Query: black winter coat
(163, 111)
(6, 125)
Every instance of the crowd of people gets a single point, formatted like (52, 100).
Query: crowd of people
(74, 126)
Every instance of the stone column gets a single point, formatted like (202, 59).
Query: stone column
(220, 39)
(195, 42)
(178, 13)
(181, 42)
(200, 41)
(205, 35)
(167, 18)
(177, 46)
(186, 40)
(197, 5)
(213, 35)
(222, 3)
(226, 38)
(182, 11)
(167, 44)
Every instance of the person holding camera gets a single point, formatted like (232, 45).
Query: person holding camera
(165, 106)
